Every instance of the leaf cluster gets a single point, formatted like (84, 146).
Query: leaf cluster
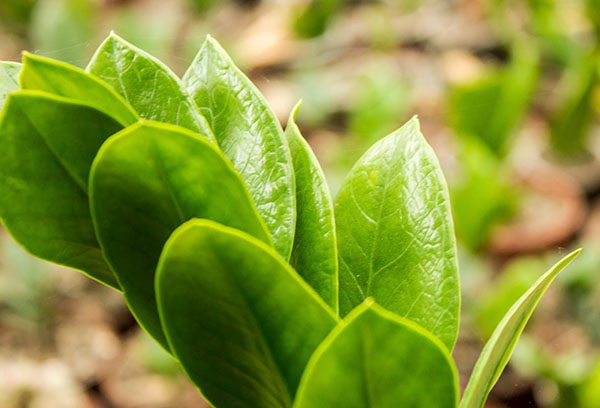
(220, 231)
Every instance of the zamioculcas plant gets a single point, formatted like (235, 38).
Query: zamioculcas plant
(219, 229)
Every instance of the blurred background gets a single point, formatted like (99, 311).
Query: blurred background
(508, 94)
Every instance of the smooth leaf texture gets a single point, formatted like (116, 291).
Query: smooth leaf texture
(9, 74)
(314, 254)
(147, 84)
(145, 182)
(395, 234)
(240, 320)
(250, 136)
(498, 349)
(47, 145)
(375, 359)
(58, 78)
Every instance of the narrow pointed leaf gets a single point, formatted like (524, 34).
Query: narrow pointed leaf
(498, 349)
(375, 359)
(145, 182)
(314, 254)
(240, 320)
(250, 136)
(58, 78)
(47, 145)
(395, 234)
(147, 84)
(9, 79)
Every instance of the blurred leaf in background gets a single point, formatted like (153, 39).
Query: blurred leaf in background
(491, 108)
(313, 19)
(593, 13)
(15, 14)
(482, 196)
(572, 121)
(203, 6)
(548, 28)
(25, 285)
(63, 29)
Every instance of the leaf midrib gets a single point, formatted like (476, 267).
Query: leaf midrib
(56, 157)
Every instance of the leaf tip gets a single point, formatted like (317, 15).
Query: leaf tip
(295, 110)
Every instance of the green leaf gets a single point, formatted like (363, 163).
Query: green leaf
(145, 182)
(47, 145)
(238, 318)
(314, 254)
(250, 136)
(497, 351)
(375, 359)
(147, 84)
(395, 234)
(58, 78)
(9, 82)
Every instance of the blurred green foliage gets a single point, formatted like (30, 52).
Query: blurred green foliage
(491, 108)
(571, 123)
(312, 20)
(61, 29)
(482, 197)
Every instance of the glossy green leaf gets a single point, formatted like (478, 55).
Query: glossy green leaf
(497, 351)
(9, 79)
(250, 136)
(395, 234)
(145, 182)
(47, 145)
(58, 78)
(147, 84)
(375, 359)
(314, 254)
(240, 320)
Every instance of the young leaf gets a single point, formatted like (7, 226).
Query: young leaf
(147, 84)
(145, 182)
(9, 73)
(314, 254)
(47, 145)
(375, 359)
(239, 319)
(497, 351)
(250, 136)
(58, 78)
(395, 234)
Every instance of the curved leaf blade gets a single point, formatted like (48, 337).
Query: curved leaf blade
(145, 182)
(47, 145)
(250, 136)
(314, 254)
(9, 79)
(395, 234)
(239, 319)
(60, 79)
(147, 84)
(498, 349)
(375, 359)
